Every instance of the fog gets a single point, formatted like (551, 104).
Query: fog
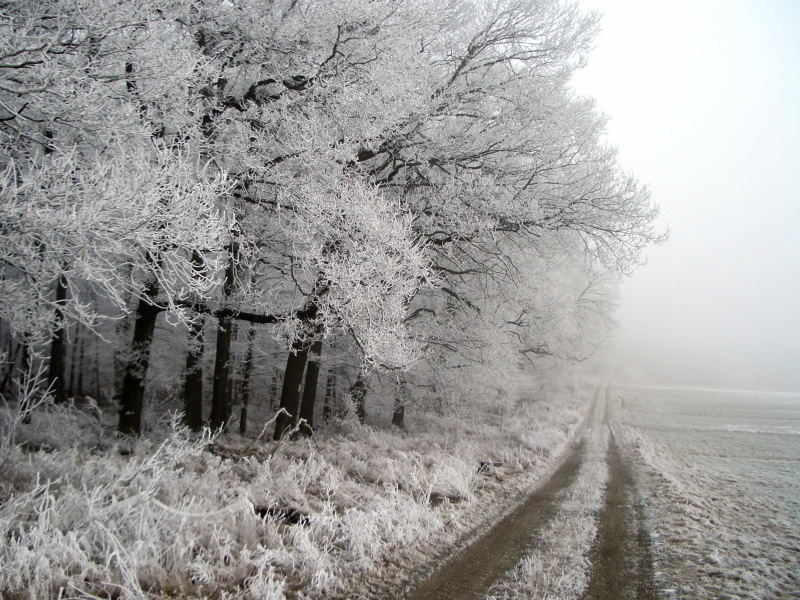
(704, 100)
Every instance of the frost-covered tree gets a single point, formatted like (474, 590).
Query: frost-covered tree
(101, 189)
(289, 92)
(464, 120)
(312, 166)
(507, 156)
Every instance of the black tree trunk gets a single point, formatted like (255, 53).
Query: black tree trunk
(73, 361)
(398, 416)
(399, 413)
(220, 395)
(290, 392)
(247, 368)
(55, 370)
(81, 367)
(310, 390)
(193, 383)
(119, 357)
(132, 393)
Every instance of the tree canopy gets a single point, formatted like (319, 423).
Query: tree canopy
(418, 177)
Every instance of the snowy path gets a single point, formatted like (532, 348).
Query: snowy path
(621, 560)
(472, 572)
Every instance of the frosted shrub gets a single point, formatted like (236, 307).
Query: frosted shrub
(453, 478)
(14, 418)
(144, 523)
(169, 518)
(262, 586)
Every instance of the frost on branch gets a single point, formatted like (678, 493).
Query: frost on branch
(354, 248)
(100, 179)
(93, 223)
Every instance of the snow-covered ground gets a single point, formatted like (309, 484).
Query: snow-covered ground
(722, 488)
(350, 514)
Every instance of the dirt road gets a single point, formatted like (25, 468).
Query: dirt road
(622, 565)
(472, 572)
(621, 560)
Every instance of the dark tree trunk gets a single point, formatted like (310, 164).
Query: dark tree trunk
(330, 395)
(119, 355)
(234, 383)
(290, 392)
(293, 377)
(398, 416)
(273, 391)
(193, 382)
(247, 368)
(193, 369)
(358, 392)
(220, 396)
(310, 390)
(81, 367)
(73, 361)
(55, 370)
(399, 413)
(132, 393)
(27, 359)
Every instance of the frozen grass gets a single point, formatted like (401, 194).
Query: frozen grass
(723, 504)
(84, 515)
(558, 569)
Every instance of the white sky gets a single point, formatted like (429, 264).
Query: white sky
(704, 100)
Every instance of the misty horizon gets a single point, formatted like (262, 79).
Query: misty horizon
(702, 100)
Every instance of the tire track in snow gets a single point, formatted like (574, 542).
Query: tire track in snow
(622, 565)
(470, 573)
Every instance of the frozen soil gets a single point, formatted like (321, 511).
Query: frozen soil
(621, 561)
(721, 490)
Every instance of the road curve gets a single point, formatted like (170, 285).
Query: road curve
(470, 573)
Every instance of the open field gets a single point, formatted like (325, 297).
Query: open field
(721, 485)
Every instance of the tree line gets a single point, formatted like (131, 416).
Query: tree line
(408, 186)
